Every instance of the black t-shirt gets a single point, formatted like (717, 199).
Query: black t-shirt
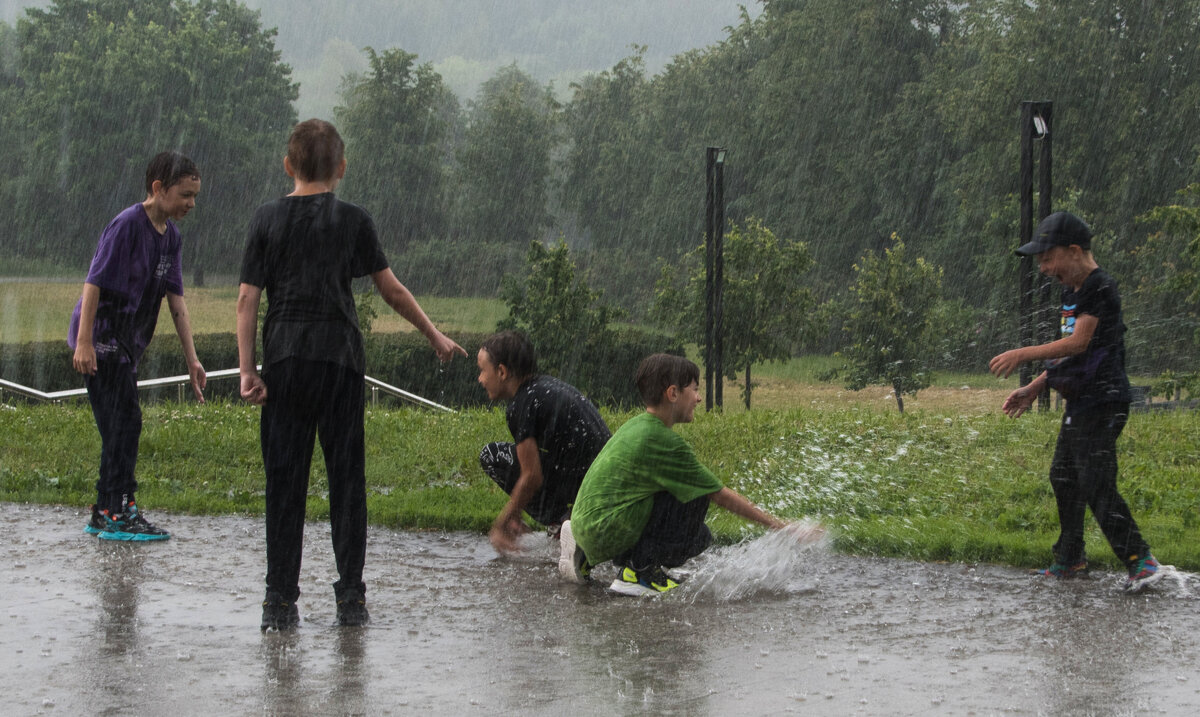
(1096, 376)
(304, 251)
(566, 425)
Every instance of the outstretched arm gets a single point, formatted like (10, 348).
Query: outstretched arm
(183, 327)
(1007, 362)
(404, 303)
(739, 505)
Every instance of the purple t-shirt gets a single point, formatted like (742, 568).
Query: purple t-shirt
(134, 267)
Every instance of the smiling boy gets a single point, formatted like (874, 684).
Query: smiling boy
(1086, 365)
(643, 502)
(138, 260)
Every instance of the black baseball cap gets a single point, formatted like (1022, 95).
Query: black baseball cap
(1058, 229)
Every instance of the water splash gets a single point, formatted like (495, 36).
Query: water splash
(773, 563)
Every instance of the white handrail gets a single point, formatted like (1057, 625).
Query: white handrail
(181, 381)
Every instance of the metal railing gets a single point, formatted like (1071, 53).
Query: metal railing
(182, 382)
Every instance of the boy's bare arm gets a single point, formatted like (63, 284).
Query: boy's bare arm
(252, 387)
(504, 531)
(1007, 362)
(404, 303)
(85, 352)
(183, 327)
(739, 505)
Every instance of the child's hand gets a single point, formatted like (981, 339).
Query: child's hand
(1018, 402)
(804, 532)
(1004, 364)
(85, 359)
(199, 380)
(253, 389)
(445, 347)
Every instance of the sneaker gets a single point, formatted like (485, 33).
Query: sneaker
(129, 526)
(99, 522)
(352, 609)
(1063, 571)
(654, 581)
(1143, 573)
(279, 614)
(572, 563)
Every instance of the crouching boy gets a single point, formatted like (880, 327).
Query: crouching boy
(643, 501)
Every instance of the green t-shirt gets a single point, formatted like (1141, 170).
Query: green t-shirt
(642, 458)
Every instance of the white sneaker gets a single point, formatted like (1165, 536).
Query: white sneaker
(572, 564)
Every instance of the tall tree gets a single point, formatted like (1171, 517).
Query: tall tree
(767, 310)
(109, 83)
(504, 160)
(394, 120)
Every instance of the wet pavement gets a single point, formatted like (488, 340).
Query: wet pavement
(92, 627)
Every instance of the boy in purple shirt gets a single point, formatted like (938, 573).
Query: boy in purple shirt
(137, 262)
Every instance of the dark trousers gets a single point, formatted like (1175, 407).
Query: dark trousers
(547, 506)
(1084, 474)
(307, 400)
(113, 393)
(674, 534)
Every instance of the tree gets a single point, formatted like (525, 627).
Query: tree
(106, 84)
(504, 160)
(560, 313)
(394, 120)
(767, 311)
(892, 337)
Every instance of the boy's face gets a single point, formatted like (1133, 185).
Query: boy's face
(685, 405)
(1060, 263)
(492, 377)
(180, 198)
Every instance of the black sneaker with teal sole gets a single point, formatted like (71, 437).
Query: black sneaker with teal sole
(130, 526)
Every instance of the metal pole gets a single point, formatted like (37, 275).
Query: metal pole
(1049, 318)
(709, 308)
(1025, 190)
(719, 280)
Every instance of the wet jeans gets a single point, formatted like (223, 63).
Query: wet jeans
(674, 534)
(1083, 474)
(307, 400)
(546, 506)
(113, 393)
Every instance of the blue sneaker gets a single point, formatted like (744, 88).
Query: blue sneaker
(130, 526)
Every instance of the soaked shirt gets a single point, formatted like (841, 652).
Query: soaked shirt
(134, 267)
(1096, 376)
(643, 458)
(566, 426)
(303, 252)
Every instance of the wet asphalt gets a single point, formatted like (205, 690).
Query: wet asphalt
(172, 628)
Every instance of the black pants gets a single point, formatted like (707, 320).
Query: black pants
(1084, 474)
(307, 400)
(674, 534)
(113, 393)
(550, 505)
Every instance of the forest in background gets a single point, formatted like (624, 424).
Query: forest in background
(848, 124)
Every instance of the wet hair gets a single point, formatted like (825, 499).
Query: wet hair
(315, 150)
(169, 168)
(513, 350)
(659, 372)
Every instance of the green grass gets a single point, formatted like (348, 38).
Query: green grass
(923, 485)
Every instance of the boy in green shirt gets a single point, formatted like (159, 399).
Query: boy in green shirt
(643, 501)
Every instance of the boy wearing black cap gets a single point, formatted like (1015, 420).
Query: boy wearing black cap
(1086, 365)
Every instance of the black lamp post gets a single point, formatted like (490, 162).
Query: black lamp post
(714, 279)
(1037, 322)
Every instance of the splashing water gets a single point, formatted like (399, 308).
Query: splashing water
(767, 564)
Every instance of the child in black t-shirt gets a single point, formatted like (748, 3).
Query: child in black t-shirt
(1087, 367)
(556, 433)
(303, 250)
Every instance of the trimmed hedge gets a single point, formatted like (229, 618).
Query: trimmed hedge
(403, 360)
